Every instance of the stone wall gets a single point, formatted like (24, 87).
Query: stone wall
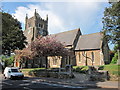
(61, 61)
(54, 61)
(37, 62)
(92, 57)
(98, 75)
(51, 73)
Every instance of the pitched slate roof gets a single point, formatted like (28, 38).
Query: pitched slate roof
(67, 37)
(89, 41)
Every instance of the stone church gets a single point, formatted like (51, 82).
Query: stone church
(88, 49)
(35, 26)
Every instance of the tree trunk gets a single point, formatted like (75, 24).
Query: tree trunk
(9, 52)
(61, 66)
(33, 63)
(21, 64)
(26, 64)
(41, 59)
(46, 63)
(86, 60)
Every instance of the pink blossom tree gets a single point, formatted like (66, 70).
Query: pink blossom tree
(22, 55)
(48, 46)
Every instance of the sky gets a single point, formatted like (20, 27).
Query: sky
(62, 16)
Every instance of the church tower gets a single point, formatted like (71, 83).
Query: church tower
(35, 26)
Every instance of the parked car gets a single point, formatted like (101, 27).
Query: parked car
(13, 73)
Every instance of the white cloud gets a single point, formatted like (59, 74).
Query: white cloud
(58, 0)
(54, 21)
(76, 15)
(63, 16)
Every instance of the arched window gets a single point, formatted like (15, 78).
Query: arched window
(92, 53)
(79, 57)
(54, 61)
(40, 25)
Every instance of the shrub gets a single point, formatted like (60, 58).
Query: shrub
(8, 61)
(81, 69)
(78, 69)
(114, 59)
(101, 68)
(116, 73)
(113, 70)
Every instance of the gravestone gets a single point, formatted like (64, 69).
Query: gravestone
(69, 68)
(97, 75)
(66, 72)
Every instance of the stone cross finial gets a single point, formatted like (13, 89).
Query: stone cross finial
(26, 16)
(47, 17)
(35, 12)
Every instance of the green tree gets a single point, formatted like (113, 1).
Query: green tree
(12, 35)
(115, 58)
(8, 61)
(111, 23)
(115, 48)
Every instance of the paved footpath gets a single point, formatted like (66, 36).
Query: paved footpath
(72, 82)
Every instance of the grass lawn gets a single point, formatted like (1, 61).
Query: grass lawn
(29, 69)
(112, 69)
(85, 67)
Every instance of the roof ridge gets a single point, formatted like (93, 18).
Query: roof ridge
(86, 42)
(31, 17)
(66, 31)
(92, 33)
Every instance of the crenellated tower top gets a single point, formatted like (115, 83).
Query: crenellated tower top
(35, 26)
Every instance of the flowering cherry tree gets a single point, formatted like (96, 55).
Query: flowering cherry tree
(42, 47)
(48, 46)
(22, 55)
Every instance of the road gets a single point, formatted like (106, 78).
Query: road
(35, 83)
(27, 84)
